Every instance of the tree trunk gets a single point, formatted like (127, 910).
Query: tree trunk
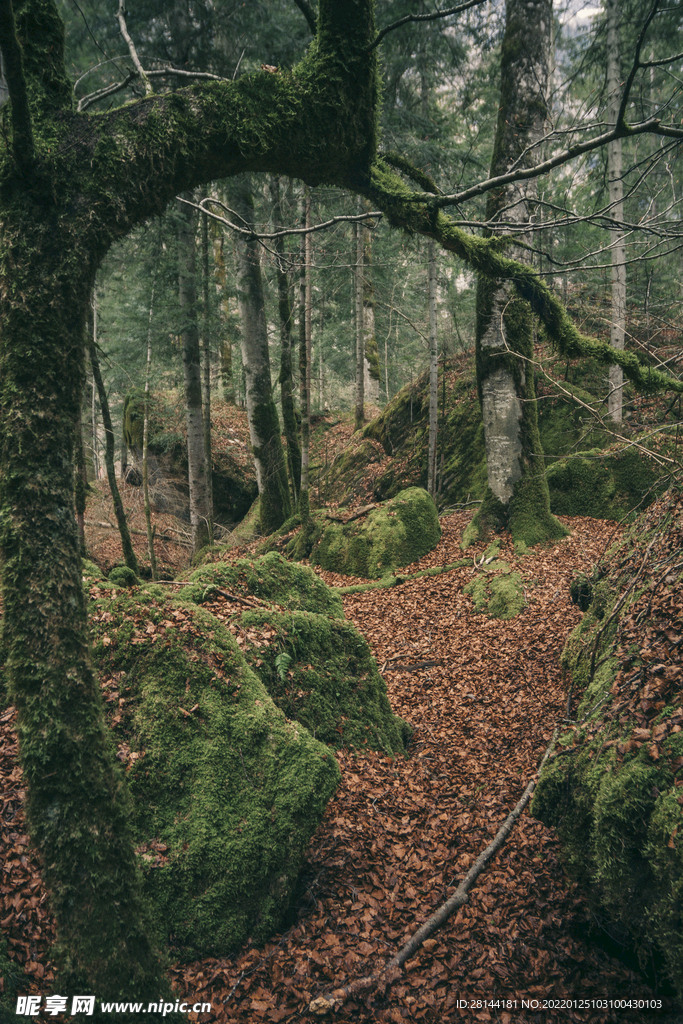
(433, 373)
(517, 494)
(371, 372)
(145, 441)
(200, 510)
(264, 426)
(206, 370)
(286, 366)
(305, 362)
(616, 199)
(360, 325)
(126, 544)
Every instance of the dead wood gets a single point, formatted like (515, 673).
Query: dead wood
(349, 519)
(324, 1004)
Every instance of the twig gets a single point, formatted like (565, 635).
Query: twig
(120, 17)
(324, 1004)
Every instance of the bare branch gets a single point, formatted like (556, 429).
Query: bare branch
(110, 90)
(22, 129)
(272, 234)
(652, 126)
(418, 17)
(635, 67)
(120, 17)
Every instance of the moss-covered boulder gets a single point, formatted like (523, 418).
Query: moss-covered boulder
(500, 595)
(602, 484)
(317, 667)
(396, 534)
(269, 577)
(226, 791)
(320, 672)
(613, 789)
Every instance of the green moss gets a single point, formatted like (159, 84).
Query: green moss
(500, 596)
(269, 577)
(398, 533)
(122, 576)
(226, 793)
(607, 485)
(327, 680)
(612, 796)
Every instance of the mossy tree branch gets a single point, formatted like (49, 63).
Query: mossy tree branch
(485, 255)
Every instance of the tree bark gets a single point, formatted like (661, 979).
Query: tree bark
(433, 373)
(286, 366)
(616, 199)
(264, 426)
(305, 362)
(371, 372)
(200, 511)
(517, 494)
(206, 370)
(126, 543)
(360, 324)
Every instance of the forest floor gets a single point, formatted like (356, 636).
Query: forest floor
(483, 697)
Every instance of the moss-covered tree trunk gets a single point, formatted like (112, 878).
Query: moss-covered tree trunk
(197, 472)
(70, 185)
(616, 204)
(264, 425)
(359, 417)
(517, 494)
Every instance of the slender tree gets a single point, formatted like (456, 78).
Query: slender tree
(264, 425)
(285, 379)
(109, 449)
(616, 202)
(433, 372)
(71, 185)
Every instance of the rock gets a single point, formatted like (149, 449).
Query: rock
(227, 792)
(397, 533)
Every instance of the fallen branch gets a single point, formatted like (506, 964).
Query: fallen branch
(324, 1004)
(349, 519)
(141, 533)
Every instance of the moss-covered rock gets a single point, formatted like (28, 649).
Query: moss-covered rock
(613, 791)
(226, 791)
(269, 577)
(316, 666)
(320, 672)
(396, 534)
(603, 484)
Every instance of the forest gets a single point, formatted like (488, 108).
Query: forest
(340, 510)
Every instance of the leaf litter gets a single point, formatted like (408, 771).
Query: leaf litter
(483, 697)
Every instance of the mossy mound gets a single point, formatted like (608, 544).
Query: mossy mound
(396, 534)
(226, 791)
(613, 791)
(498, 593)
(269, 577)
(320, 672)
(602, 484)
